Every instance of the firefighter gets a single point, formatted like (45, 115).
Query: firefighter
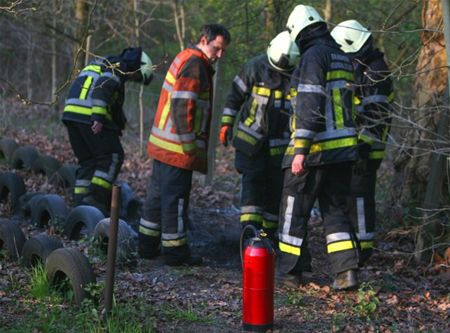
(95, 120)
(320, 155)
(260, 92)
(373, 95)
(178, 145)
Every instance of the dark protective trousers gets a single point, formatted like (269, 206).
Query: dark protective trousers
(262, 182)
(329, 184)
(100, 157)
(165, 213)
(363, 207)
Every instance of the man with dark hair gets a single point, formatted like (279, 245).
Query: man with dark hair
(178, 143)
(94, 119)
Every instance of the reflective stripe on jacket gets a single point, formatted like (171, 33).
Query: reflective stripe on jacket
(96, 94)
(373, 98)
(180, 131)
(262, 97)
(323, 126)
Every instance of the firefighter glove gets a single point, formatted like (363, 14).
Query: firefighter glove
(226, 132)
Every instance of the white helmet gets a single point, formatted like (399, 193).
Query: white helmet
(146, 68)
(301, 17)
(282, 52)
(351, 35)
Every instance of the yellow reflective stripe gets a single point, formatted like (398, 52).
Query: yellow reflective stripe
(101, 182)
(289, 249)
(338, 114)
(78, 109)
(251, 116)
(174, 243)
(99, 110)
(277, 151)
(86, 85)
(170, 78)
(251, 217)
(261, 91)
(244, 136)
(356, 100)
(366, 245)
(166, 145)
(188, 146)
(290, 151)
(365, 138)
(302, 143)
(80, 190)
(227, 120)
(336, 75)
(93, 68)
(391, 96)
(376, 155)
(333, 144)
(149, 232)
(278, 94)
(340, 246)
(293, 92)
(269, 225)
(165, 112)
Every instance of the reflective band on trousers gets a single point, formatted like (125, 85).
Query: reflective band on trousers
(340, 246)
(289, 249)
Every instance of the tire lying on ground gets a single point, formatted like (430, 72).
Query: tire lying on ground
(37, 249)
(46, 165)
(81, 221)
(7, 148)
(12, 188)
(129, 204)
(65, 176)
(28, 200)
(11, 239)
(126, 239)
(68, 264)
(24, 157)
(49, 211)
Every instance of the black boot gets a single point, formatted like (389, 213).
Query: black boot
(346, 280)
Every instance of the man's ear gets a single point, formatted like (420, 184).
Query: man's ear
(203, 40)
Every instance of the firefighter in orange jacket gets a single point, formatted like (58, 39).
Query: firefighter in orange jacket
(178, 145)
(260, 94)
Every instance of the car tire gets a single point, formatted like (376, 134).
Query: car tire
(12, 187)
(70, 263)
(24, 157)
(49, 211)
(37, 249)
(81, 222)
(12, 239)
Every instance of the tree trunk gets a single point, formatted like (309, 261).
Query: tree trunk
(81, 16)
(328, 11)
(179, 17)
(419, 137)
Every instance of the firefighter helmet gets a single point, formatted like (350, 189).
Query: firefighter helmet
(146, 68)
(351, 35)
(282, 52)
(301, 17)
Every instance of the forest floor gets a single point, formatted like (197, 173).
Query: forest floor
(395, 294)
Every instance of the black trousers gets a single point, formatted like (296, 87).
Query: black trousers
(165, 212)
(363, 207)
(331, 186)
(262, 182)
(100, 157)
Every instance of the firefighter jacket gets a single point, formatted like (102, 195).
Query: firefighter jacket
(261, 94)
(322, 126)
(373, 97)
(180, 131)
(97, 94)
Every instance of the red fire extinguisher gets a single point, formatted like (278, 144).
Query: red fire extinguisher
(258, 270)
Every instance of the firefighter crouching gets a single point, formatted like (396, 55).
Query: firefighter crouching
(94, 119)
(260, 92)
(373, 97)
(320, 155)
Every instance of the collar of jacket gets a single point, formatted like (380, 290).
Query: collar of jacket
(203, 56)
(324, 39)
